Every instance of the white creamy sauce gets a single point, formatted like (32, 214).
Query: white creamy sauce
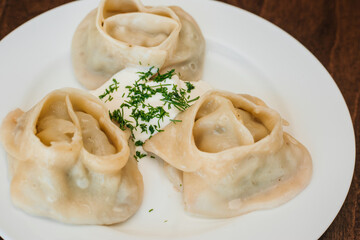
(127, 77)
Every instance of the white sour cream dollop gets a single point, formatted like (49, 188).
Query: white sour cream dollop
(127, 77)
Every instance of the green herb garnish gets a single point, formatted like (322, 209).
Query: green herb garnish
(175, 121)
(139, 143)
(113, 87)
(189, 86)
(143, 113)
(138, 155)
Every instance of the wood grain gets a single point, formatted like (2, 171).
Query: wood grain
(329, 29)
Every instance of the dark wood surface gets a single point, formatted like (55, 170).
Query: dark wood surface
(330, 29)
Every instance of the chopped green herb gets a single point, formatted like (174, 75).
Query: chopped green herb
(142, 113)
(118, 116)
(138, 155)
(175, 121)
(146, 75)
(139, 143)
(189, 86)
(151, 129)
(113, 87)
(194, 99)
(151, 210)
(143, 127)
(162, 77)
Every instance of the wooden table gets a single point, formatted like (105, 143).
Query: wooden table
(330, 29)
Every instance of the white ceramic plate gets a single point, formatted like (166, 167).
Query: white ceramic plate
(244, 54)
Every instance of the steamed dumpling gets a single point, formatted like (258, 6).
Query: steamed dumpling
(230, 156)
(69, 162)
(124, 33)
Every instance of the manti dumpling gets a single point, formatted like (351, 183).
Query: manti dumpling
(230, 156)
(125, 33)
(69, 162)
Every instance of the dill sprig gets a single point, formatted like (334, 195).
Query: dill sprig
(189, 86)
(118, 116)
(162, 77)
(146, 75)
(138, 155)
(113, 87)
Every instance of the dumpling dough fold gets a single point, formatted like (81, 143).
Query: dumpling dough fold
(232, 156)
(69, 162)
(125, 33)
